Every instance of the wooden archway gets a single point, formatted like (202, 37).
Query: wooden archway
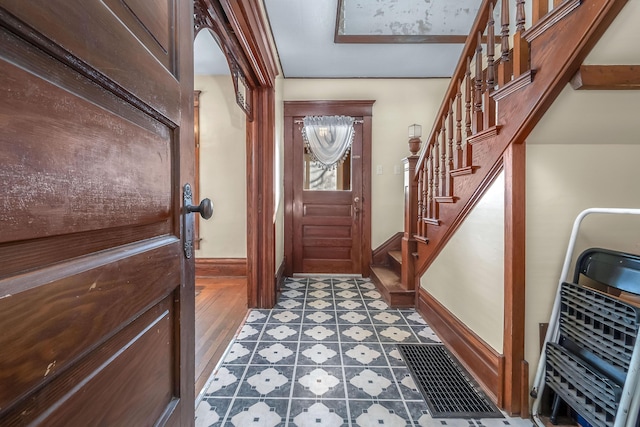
(239, 28)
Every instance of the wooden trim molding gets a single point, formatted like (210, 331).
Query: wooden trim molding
(216, 267)
(514, 163)
(261, 266)
(607, 77)
(550, 19)
(483, 362)
(196, 177)
(514, 85)
(249, 25)
(485, 135)
(392, 38)
(393, 243)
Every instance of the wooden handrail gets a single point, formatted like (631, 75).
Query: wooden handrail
(478, 75)
(479, 25)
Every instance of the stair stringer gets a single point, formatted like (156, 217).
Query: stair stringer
(556, 55)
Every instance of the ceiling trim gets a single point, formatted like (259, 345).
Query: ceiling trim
(248, 24)
(391, 38)
(385, 38)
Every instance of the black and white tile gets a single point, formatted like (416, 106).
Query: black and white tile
(324, 356)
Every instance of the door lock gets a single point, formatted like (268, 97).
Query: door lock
(205, 209)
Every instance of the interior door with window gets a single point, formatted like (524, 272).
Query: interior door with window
(327, 219)
(96, 288)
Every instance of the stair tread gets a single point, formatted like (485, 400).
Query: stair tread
(396, 255)
(388, 283)
(389, 278)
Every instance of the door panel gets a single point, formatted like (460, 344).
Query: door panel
(332, 211)
(115, 42)
(96, 295)
(327, 222)
(94, 163)
(126, 381)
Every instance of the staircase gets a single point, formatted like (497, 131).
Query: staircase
(503, 84)
(506, 79)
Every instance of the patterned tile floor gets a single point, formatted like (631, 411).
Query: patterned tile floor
(324, 356)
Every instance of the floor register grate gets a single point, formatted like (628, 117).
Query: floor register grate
(445, 385)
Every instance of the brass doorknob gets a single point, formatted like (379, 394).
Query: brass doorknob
(205, 208)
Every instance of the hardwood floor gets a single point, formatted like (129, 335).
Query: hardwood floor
(221, 306)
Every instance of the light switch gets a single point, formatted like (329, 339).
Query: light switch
(397, 170)
(379, 169)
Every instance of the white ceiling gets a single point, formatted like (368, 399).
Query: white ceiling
(304, 33)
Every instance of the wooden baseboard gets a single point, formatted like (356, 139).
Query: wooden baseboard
(216, 267)
(393, 243)
(481, 360)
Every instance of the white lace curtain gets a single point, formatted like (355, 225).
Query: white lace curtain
(328, 138)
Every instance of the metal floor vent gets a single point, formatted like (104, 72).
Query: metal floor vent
(445, 385)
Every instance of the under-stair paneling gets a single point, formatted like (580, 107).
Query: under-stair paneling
(222, 169)
(562, 180)
(467, 277)
(399, 103)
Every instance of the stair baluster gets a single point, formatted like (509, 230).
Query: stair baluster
(459, 153)
(450, 150)
(443, 158)
(431, 213)
(504, 70)
(467, 108)
(488, 101)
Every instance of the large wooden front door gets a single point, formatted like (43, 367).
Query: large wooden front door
(96, 142)
(328, 211)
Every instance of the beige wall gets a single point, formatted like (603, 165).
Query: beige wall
(399, 103)
(467, 277)
(563, 180)
(222, 169)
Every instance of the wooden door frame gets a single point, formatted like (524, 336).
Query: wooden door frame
(294, 109)
(239, 28)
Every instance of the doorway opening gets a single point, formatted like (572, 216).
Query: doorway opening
(327, 210)
(221, 242)
(253, 68)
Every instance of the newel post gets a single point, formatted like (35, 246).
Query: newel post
(410, 212)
